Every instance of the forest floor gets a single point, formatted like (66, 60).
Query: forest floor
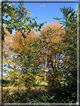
(39, 93)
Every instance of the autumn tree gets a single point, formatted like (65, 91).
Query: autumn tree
(50, 48)
(23, 49)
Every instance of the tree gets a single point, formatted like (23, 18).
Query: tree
(68, 19)
(70, 44)
(50, 48)
(18, 18)
(23, 48)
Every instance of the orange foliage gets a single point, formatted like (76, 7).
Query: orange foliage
(52, 36)
(16, 42)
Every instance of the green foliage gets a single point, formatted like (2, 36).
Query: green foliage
(69, 17)
(5, 82)
(41, 83)
(13, 75)
(69, 47)
(28, 79)
(18, 18)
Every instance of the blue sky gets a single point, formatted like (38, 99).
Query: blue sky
(51, 10)
(46, 14)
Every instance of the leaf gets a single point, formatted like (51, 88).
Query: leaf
(51, 98)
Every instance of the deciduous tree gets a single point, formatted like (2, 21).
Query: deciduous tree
(23, 49)
(50, 49)
(18, 18)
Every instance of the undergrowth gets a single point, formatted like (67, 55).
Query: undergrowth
(53, 95)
